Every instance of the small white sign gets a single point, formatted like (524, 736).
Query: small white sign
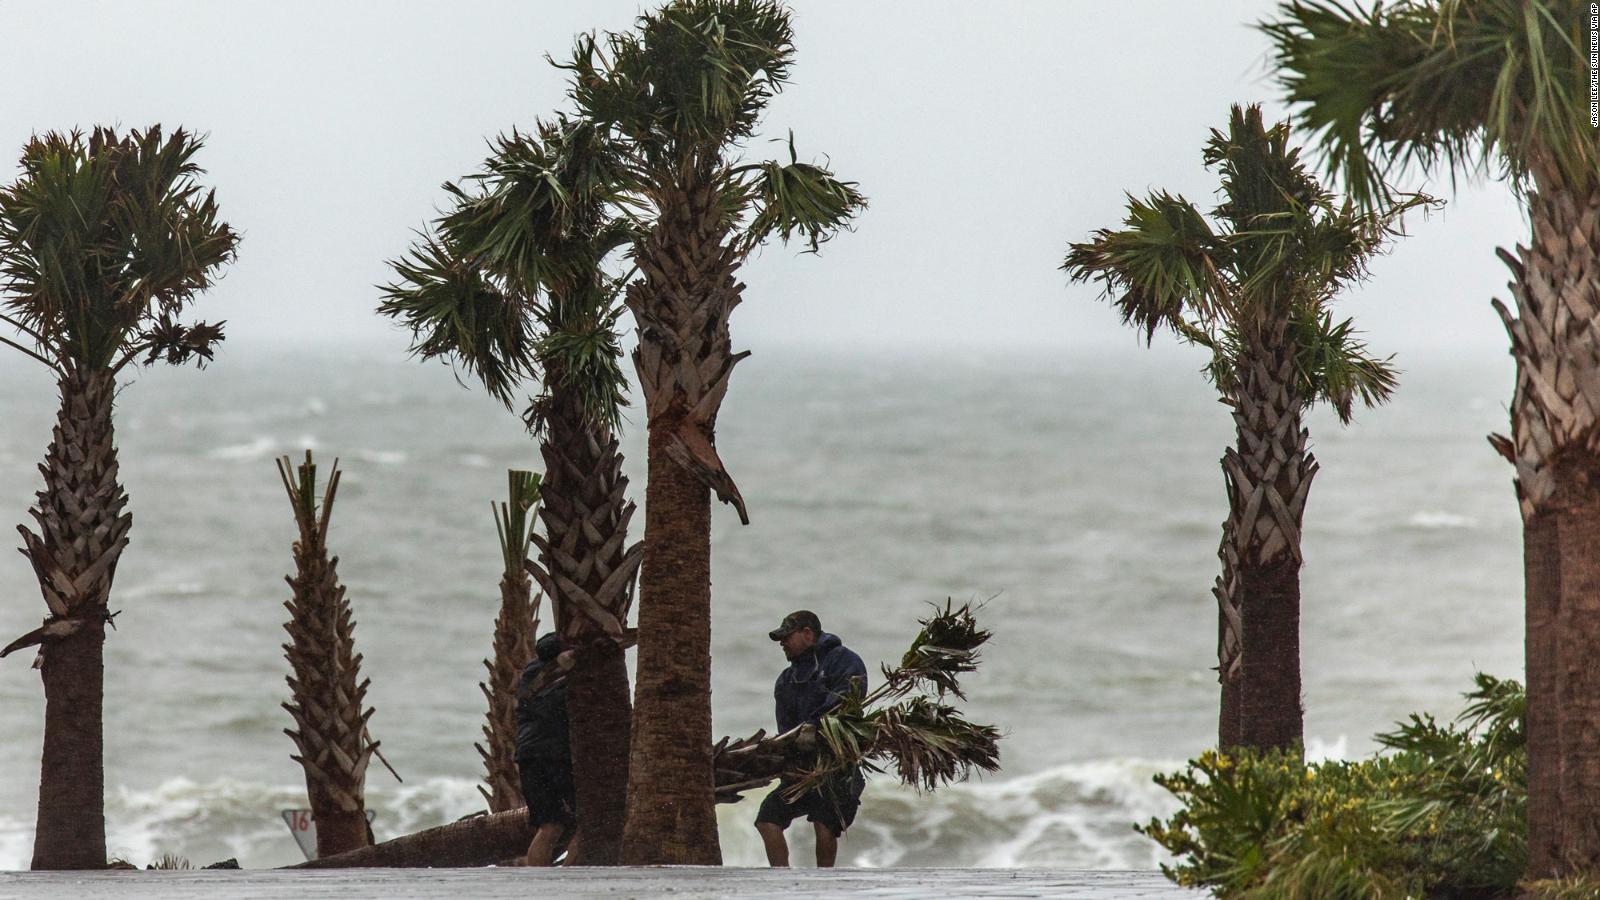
(304, 829)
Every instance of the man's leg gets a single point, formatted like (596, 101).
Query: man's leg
(777, 847)
(542, 850)
(827, 845)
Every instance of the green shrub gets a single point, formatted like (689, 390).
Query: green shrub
(1438, 813)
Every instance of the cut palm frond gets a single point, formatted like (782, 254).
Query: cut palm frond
(902, 725)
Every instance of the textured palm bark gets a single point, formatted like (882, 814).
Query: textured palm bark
(328, 697)
(476, 841)
(671, 816)
(514, 630)
(587, 568)
(1541, 548)
(1229, 665)
(684, 361)
(599, 708)
(1268, 475)
(82, 530)
(1555, 448)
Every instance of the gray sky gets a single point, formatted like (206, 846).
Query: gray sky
(987, 136)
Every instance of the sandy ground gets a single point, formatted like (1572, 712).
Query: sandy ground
(457, 884)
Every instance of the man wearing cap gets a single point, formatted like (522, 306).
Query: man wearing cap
(821, 672)
(544, 749)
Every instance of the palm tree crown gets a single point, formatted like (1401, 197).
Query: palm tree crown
(1277, 248)
(511, 279)
(104, 241)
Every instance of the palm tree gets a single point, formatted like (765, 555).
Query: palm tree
(105, 239)
(678, 96)
(1254, 285)
(514, 631)
(513, 284)
(328, 695)
(1500, 86)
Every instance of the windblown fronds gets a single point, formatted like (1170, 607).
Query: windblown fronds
(902, 725)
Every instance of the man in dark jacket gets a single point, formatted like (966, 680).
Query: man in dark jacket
(544, 749)
(821, 673)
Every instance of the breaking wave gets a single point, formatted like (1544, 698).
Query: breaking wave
(1077, 815)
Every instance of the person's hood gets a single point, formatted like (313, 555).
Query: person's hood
(826, 643)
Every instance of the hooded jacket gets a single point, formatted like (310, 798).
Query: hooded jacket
(542, 735)
(816, 681)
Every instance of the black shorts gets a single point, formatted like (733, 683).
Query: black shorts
(834, 803)
(549, 793)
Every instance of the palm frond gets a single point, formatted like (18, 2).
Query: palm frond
(925, 742)
(1334, 366)
(1166, 259)
(946, 648)
(798, 198)
(1463, 87)
(904, 724)
(456, 312)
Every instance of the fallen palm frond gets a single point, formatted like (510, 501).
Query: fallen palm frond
(903, 724)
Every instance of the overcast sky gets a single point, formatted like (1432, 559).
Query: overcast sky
(986, 136)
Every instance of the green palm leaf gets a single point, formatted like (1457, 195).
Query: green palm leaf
(1445, 85)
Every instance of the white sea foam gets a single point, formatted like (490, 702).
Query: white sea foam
(1434, 519)
(1078, 815)
(1319, 750)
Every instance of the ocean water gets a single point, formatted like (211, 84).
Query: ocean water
(1078, 496)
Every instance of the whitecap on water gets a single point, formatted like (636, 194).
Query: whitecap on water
(1077, 815)
(1074, 815)
(1434, 519)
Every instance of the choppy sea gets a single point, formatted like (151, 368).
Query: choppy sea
(1078, 494)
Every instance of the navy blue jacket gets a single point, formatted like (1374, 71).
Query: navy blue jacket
(542, 734)
(816, 681)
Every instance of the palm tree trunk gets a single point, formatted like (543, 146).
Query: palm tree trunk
(1555, 447)
(476, 841)
(1268, 476)
(513, 647)
(1542, 586)
(599, 709)
(328, 696)
(684, 361)
(82, 530)
(671, 804)
(588, 570)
